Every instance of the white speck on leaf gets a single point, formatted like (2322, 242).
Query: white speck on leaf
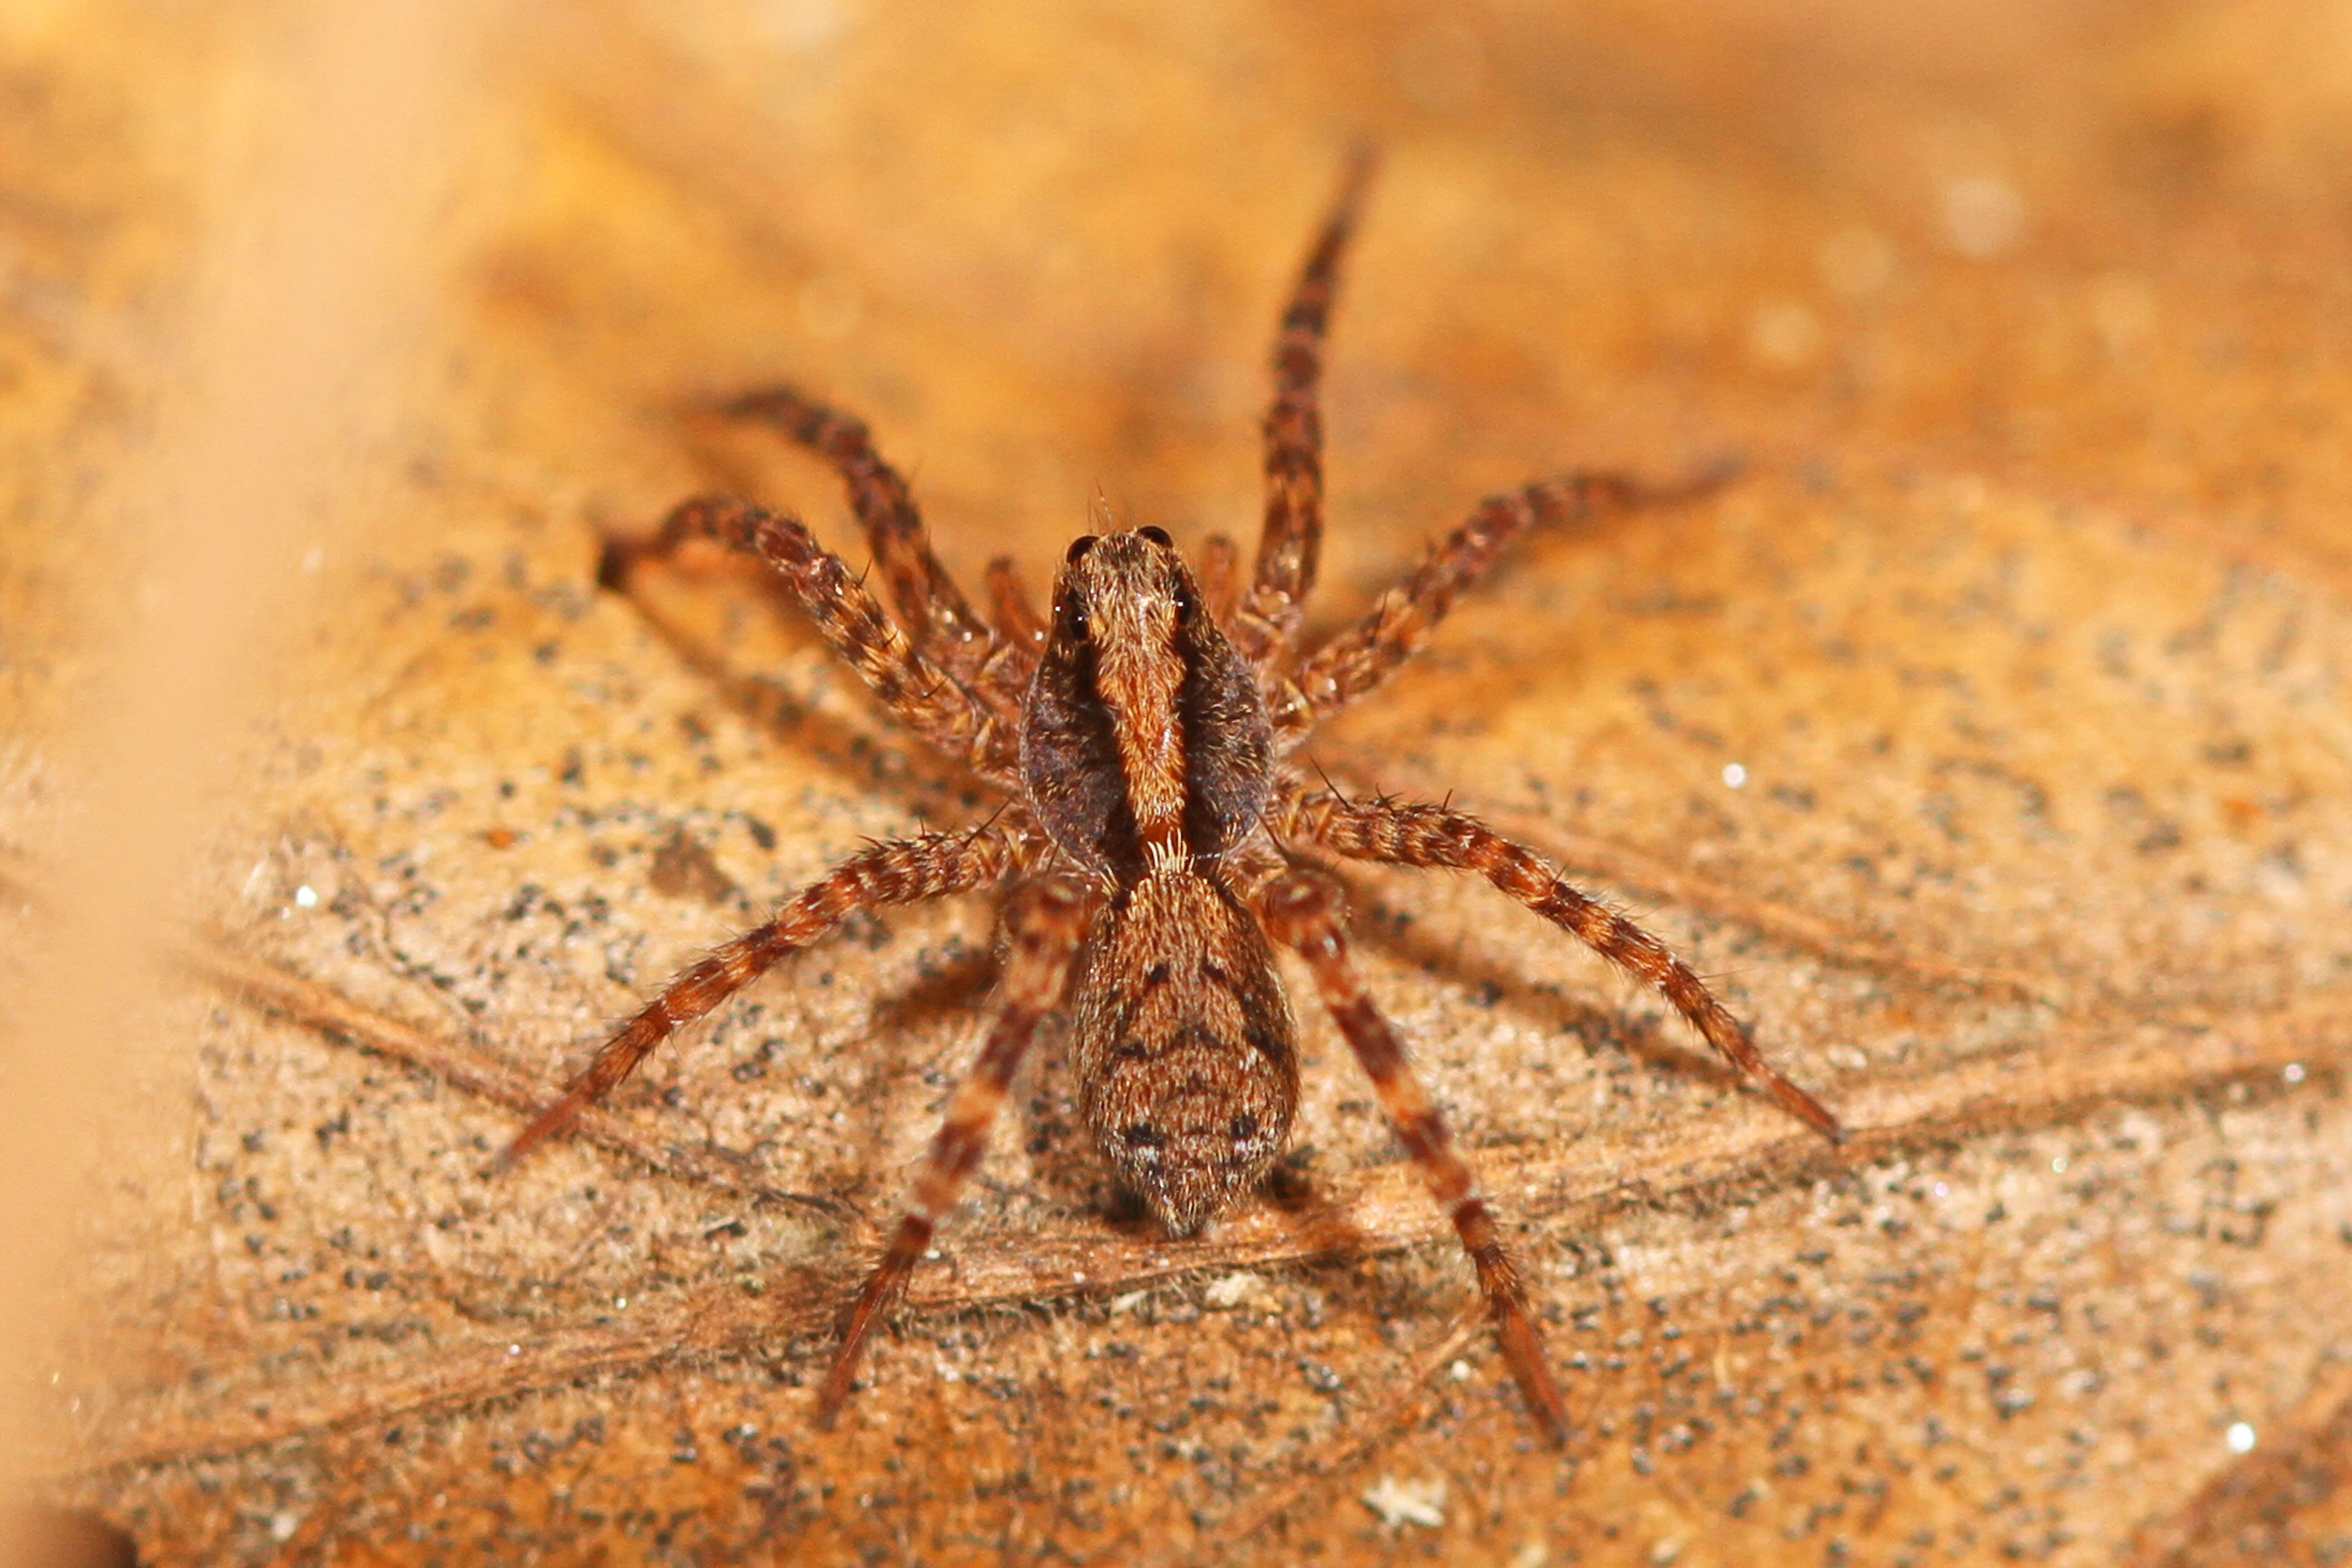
(1233, 1291)
(1408, 1502)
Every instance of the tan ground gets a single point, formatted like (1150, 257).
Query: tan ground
(2027, 631)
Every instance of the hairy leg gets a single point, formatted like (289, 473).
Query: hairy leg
(1018, 624)
(929, 602)
(1302, 911)
(1291, 544)
(1430, 836)
(1360, 659)
(905, 871)
(925, 698)
(1044, 923)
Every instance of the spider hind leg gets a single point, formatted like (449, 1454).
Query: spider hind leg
(1302, 911)
(1437, 837)
(904, 871)
(1044, 924)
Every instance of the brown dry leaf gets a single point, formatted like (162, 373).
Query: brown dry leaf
(1988, 743)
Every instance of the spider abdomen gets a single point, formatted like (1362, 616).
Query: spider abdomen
(1184, 1047)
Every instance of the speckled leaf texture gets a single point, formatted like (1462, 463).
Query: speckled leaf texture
(1988, 742)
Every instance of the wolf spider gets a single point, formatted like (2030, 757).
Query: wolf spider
(1144, 738)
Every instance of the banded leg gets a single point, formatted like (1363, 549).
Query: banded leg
(926, 698)
(1360, 659)
(1044, 923)
(929, 602)
(1302, 910)
(1291, 544)
(1430, 836)
(905, 871)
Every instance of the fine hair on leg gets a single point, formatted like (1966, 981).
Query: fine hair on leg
(926, 698)
(1357, 661)
(1043, 924)
(1290, 544)
(903, 871)
(1302, 910)
(929, 604)
(1436, 836)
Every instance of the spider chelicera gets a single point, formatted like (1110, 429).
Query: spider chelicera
(1144, 738)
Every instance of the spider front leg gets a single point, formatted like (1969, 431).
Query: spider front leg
(905, 871)
(1290, 545)
(1430, 836)
(1015, 611)
(1302, 910)
(1360, 659)
(1044, 923)
(926, 698)
(929, 602)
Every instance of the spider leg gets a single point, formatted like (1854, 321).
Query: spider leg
(904, 871)
(1220, 577)
(925, 698)
(1018, 624)
(1430, 836)
(929, 602)
(1044, 923)
(1302, 910)
(1360, 659)
(1291, 540)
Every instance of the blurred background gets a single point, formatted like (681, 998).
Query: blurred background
(1986, 743)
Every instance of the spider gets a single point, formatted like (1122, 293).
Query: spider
(1144, 738)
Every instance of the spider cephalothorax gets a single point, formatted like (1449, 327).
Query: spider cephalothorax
(1148, 843)
(1143, 742)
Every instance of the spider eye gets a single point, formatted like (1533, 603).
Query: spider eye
(1157, 536)
(1074, 610)
(1078, 547)
(1186, 605)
